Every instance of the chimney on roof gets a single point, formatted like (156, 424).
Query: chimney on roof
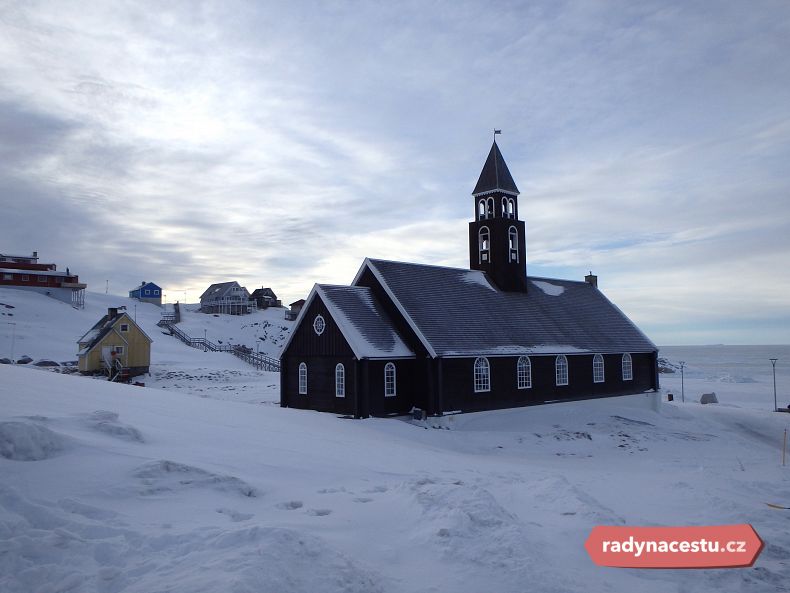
(35, 255)
(591, 279)
(112, 313)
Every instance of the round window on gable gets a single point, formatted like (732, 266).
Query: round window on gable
(319, 325)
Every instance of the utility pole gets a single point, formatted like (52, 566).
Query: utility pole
(682, 387)
(773, 364)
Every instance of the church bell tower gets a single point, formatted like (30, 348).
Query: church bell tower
(497, 243)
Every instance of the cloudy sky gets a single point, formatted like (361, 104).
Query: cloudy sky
(280, 143)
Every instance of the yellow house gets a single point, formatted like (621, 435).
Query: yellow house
(115, 345)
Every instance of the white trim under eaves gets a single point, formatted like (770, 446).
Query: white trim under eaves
(420, 336)
(496, 191)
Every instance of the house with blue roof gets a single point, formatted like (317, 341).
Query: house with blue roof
(406, 335)
(147, 292)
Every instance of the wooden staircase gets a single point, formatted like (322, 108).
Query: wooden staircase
(256, 359)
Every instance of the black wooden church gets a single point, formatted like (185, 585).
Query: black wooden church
(442, 339)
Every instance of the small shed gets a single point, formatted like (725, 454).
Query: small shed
(115, 345)
(147, 292)
(294, 310)
(265, 297)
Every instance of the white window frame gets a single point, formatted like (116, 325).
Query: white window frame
(25, 278)
(124, 327)
(42, 278)
(481, 210)
(511, 208)
(524, 372)
(628, 367)
(512, 243)
(490, 208)
(302, 378)
(319, 325)
(8, 276)
(599, 374)
(156, 292)
(119, 349)
(504, 207)
(482, 375)
(390, 380)
(340, 380)
(147, 291)
(484, 244)
(561, 370)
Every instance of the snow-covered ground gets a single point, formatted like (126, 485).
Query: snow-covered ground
(46, 329)
(739, 375)
(107, 487)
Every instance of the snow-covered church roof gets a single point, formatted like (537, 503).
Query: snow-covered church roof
(459, 312)
(362, 321)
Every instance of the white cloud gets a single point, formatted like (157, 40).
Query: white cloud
(279, 144)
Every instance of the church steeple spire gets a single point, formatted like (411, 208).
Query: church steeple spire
(497, 243)
(495, 175)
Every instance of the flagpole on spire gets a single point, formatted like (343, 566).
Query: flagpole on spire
(495, 133)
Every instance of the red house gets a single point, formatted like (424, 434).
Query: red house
(25, 273)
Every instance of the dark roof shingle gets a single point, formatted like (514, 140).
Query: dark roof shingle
(365, 325)
(460, 313)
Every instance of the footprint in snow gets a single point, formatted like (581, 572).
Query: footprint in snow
(291, 505)
(319, 512)
(235, 516)
(363, 499)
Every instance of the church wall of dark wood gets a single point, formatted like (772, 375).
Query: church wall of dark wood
(321, 353)
(306, 342)
(458, 381)
(407, 383)
(320, 384)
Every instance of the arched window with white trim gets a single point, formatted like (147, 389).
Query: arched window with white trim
(628, 367)
(390, 383)
(512, 237)
(484, 244)
(504, 207)
(511, 208)
(302, 378)
(490, 208)
(482, 375)
(340, 380)
(481, 210)
(524, 372)
(561, 370)
(598, 375)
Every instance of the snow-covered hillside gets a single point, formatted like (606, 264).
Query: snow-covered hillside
(47, 329)
(115, 488)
